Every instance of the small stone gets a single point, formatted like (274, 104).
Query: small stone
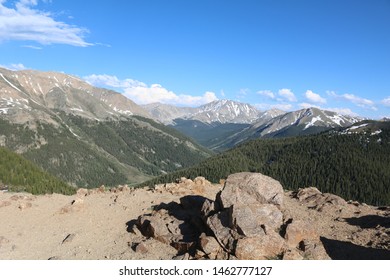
(141, 248)
(25, 205)
(77, 201)
(69, 238)
(200, 181)
(305, 193)
(299, 230)
(102, 189)
(3, 240)
(5, 203)
(82, 192)
(292, 254)
(207, 209)
(125, 189)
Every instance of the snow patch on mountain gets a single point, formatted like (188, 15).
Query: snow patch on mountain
(12, 85)
(313, 121)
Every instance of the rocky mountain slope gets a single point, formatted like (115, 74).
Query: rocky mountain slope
(87, 136)
(34, 95)
(296, 123)
(217, 135)
(166, 113)
(219, 111)
(191, 219)
(223, 124)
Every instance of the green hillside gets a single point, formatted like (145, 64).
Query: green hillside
(90, 153)
(20, 174)
(353, 165)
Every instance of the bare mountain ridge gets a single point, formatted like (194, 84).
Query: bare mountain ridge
(34, 95)
(85, 135)
(301, 122)
(222, 111)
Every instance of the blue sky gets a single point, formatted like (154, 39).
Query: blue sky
(270, 53)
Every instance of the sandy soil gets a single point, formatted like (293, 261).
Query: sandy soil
(93, 227)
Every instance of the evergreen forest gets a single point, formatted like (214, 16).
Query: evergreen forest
(19, 174)
(354, 166)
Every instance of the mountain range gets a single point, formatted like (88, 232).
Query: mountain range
(221, 111)
(85, 135)
(302, 122)
(88, 136)
(222, 124)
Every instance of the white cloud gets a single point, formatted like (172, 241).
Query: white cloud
(267, 93)
(314, 97)
(14, 66)
(242, 93)
(112, 81)
(359, 101)
(287, 94)
(265, 106)
(141, 93)
(25, 23)
(342, 111)
(308, 105)
(32, 47)
(386, 101)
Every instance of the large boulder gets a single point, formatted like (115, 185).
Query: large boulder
(245, 221)
(171, 226)
(251, 188)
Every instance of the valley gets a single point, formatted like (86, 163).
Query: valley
(163, 177)
(87, 136)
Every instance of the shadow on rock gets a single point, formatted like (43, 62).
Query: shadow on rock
(369, 221)
(342, 250)
(178, 225)
(130, 225)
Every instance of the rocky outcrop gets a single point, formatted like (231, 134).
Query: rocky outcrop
(174, 225)
(314, 199)
(246, 220)
(184, 186)
(251, 188)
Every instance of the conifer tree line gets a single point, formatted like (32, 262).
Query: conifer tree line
(19, 174)
(355, 167)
